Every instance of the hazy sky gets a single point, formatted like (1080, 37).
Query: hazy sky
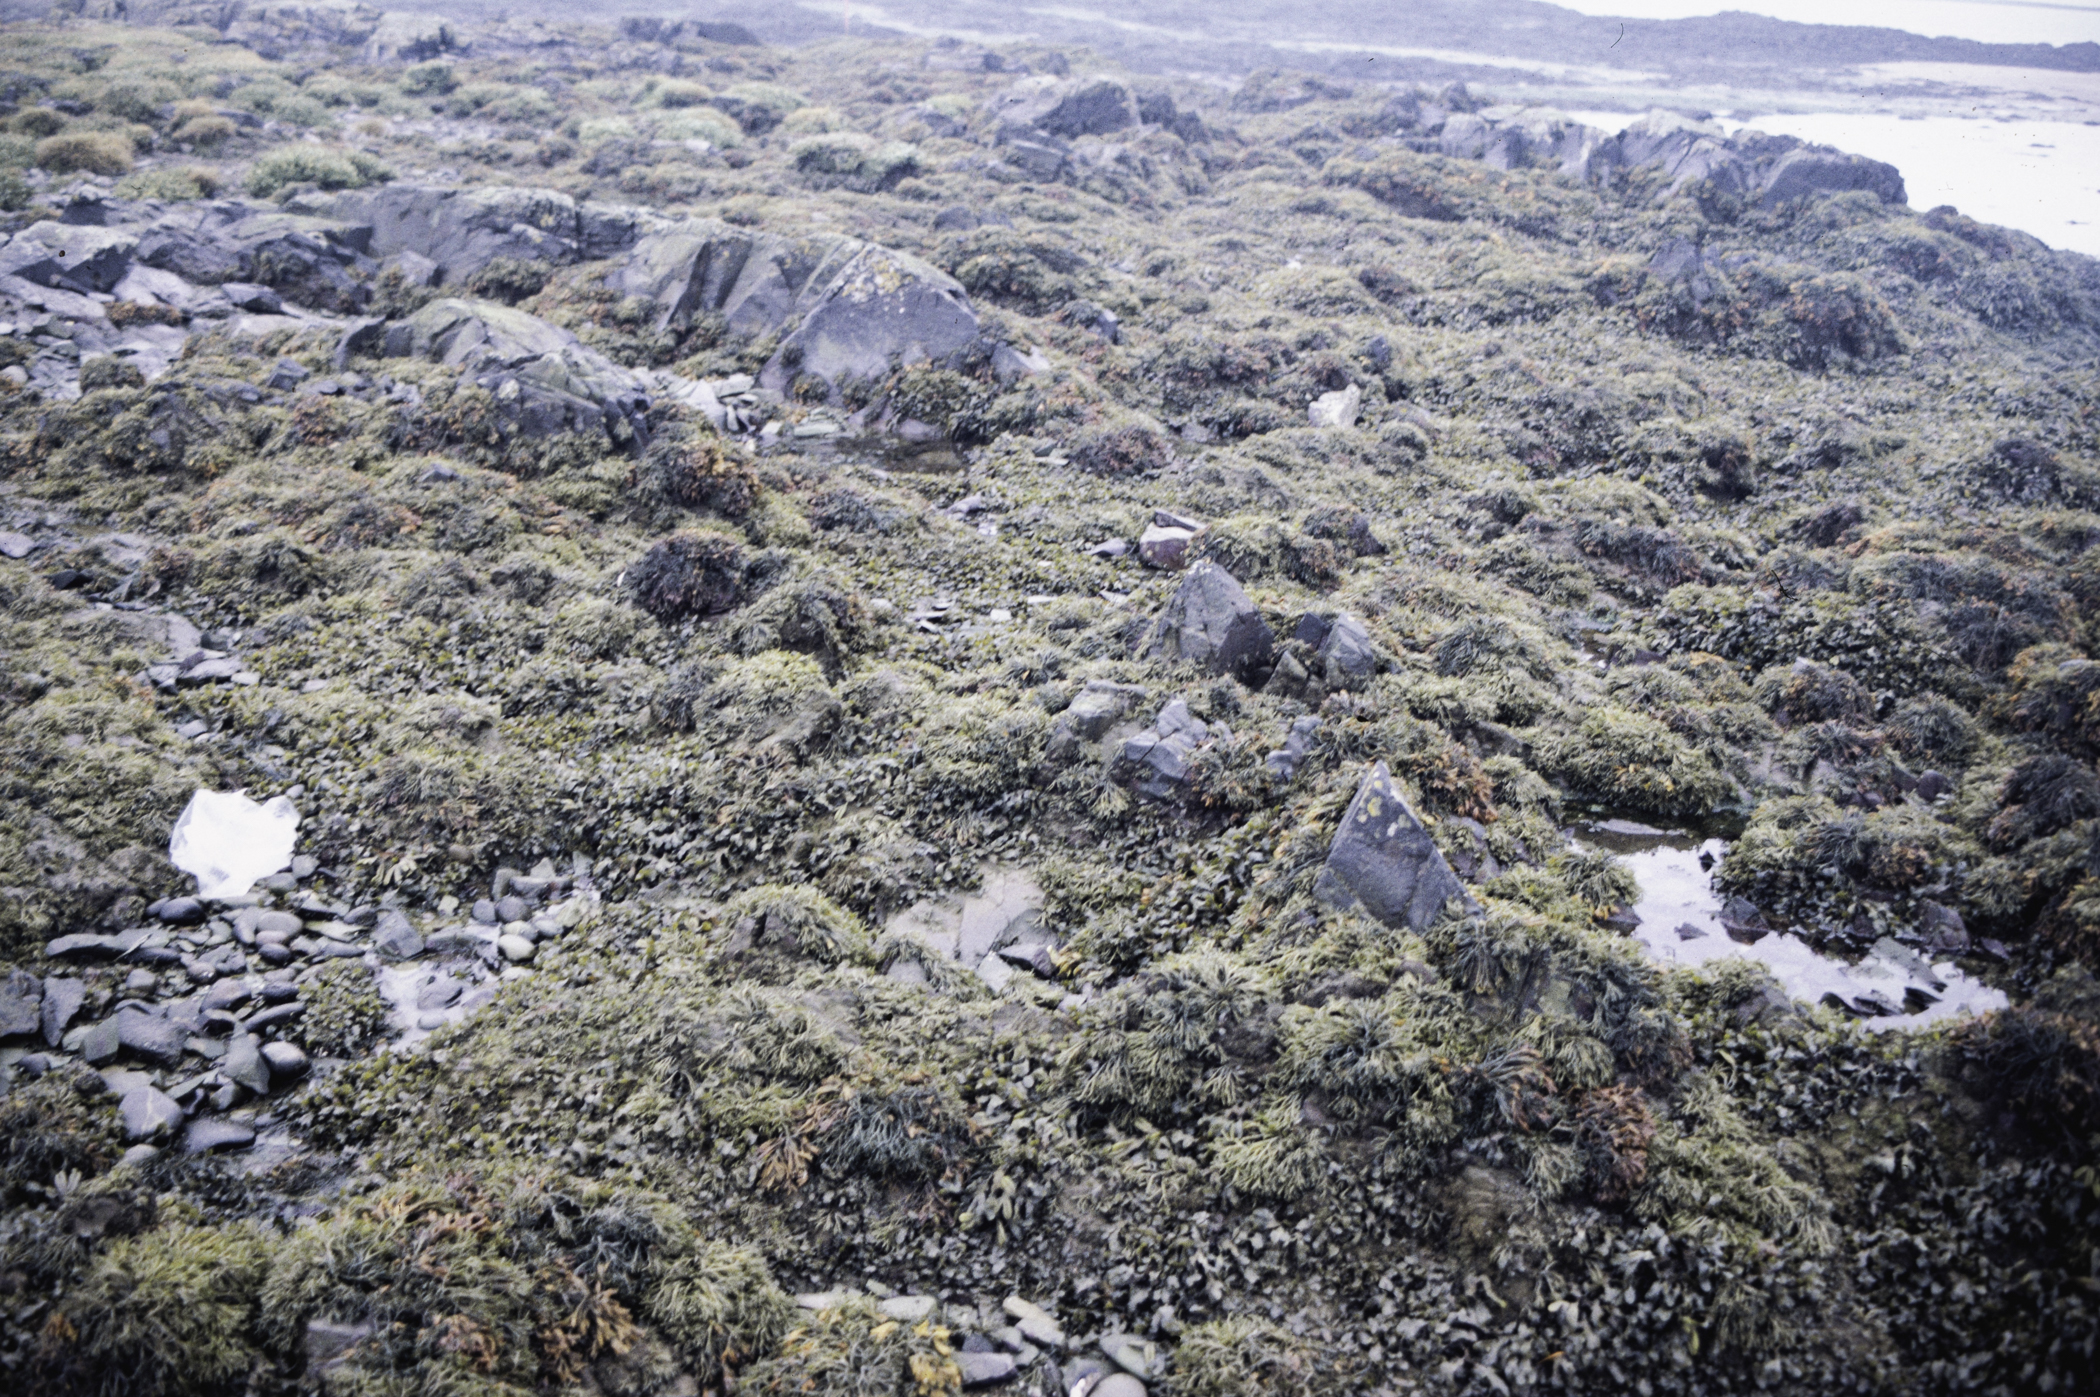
(1994, 21)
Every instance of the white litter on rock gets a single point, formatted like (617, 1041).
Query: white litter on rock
(228, 841)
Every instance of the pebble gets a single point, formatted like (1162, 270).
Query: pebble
(179, 911)
(485, 912)
(984, 1369)
(516, 948)
(287, 1060)
(141, 982)
(1118, 1385)
(273, 920)
(1135, 1356)
(138, 1156)
(910, 1309)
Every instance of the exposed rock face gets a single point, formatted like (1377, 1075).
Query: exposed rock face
(1212, 622)
(1810, 171)
(850, 308)
(1384, 861)
(1066, 107)
(461, 231)
(544, 376)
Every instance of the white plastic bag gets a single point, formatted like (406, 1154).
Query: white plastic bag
(229, 841)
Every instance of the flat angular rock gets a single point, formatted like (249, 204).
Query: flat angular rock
(1383, 860)
(396, 937)
(1212, 622)
(19, 1018)
(148, 1112)
(150, 1037)
(244, 1064)
(88, 946)
(1346, 653)
(984, 1369)
(208, 1134)
(99, 1043)
(62, 1000)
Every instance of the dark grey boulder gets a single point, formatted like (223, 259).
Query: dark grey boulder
(1154, 763)
(1212, 622)
(848, 308)
(150, 1036)
(543, 378)
(1814, 170)
(1384, 861)
(147, 1112)
(67, 257)
(1065, 107)
(62, 1000)
(1347, 653)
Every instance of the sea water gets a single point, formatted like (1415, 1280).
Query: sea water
(1675, 871)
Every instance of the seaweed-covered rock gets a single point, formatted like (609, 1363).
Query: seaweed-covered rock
(543, 377)
(1384, 860)
(1212, 622)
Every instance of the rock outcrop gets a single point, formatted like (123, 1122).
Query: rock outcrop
(846, 308)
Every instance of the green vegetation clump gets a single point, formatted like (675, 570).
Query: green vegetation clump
(170, 1313)
(319, 165)
(1627, 761)
(88, 152)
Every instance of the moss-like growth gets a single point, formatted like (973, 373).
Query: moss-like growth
(345, 1016)
(855, 1351)
(89, 152)
(1627, 761)
(318, 165)
(1249, 1358)
(167, 1314)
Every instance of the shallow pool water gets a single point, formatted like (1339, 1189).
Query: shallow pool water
(1680, 924)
